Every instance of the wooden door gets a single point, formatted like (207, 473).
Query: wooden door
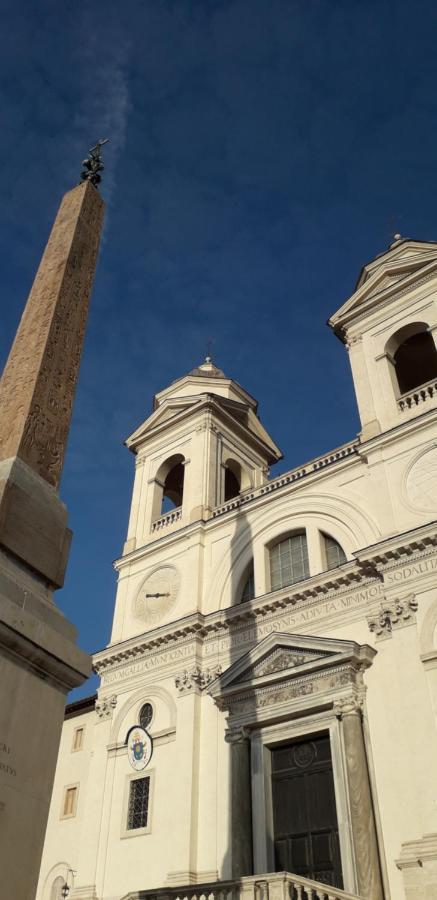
(304, 812)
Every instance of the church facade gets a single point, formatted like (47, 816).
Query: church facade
(265, 723)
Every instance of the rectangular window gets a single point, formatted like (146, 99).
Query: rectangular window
(70, 802)
(138, 806)
(289, 561)
(78, 739)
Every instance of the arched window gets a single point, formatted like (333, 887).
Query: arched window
(289, 561)
(232, 479)
(414, 356)
(334, 553)
(248, 592)
(146, 715)
(56, 891)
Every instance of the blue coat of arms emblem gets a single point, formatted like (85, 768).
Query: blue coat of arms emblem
(139, 748)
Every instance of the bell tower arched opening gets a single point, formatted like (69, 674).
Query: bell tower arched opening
(413, 354)
(232, 479)
(169, 485)
(236, 479)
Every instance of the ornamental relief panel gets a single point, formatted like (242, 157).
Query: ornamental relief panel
(309, 687)
(391, 615)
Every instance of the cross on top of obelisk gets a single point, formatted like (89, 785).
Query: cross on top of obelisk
(93, 165)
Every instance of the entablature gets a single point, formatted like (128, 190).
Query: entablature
(354, 590)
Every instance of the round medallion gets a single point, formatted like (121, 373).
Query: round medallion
(157, 595)
(421, 483)
(304, 755)
(139, 748)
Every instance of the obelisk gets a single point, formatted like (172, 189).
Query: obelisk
(39, 659)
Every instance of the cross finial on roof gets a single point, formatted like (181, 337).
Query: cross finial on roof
(93, 165)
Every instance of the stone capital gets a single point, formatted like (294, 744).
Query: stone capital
(348, 706)
(105, 706)
(237, 735)
(195, 679)
(392, 614)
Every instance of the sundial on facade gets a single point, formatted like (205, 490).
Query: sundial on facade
(157, 595)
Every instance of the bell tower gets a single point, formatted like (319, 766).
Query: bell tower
(202, 446)
(389, 326)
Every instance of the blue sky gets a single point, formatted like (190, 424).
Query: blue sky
(261, 152)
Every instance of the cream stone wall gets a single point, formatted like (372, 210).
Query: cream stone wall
(181, 650)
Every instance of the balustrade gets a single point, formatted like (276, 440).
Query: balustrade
(168, 519)
(418, 395)
(287, 478)
(280, 885)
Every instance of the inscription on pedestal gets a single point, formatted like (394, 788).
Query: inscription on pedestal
(6, 767)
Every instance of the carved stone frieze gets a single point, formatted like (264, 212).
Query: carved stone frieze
(105, 707)
(195, 679)
(392, 614)
(311, 687)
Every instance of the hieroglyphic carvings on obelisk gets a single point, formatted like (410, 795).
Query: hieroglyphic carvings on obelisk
(39, 380)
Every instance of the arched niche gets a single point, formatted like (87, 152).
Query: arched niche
(164, 712)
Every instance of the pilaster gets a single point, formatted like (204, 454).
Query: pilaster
(368, 870)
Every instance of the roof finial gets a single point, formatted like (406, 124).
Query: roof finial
(93, 165)
(209, 344)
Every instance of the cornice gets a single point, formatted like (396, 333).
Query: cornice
(415, 423)
(367, 570)
(340, 321)
(189, 410)
(414, 544)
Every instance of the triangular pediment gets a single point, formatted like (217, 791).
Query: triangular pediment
(278, 660)
(280, 656)
(170, 410)
(173, 409)
(398, 269)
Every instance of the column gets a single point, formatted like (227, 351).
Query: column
(241, 804)
(360, 800)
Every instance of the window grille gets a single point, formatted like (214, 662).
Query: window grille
(138, 809)
(335, 555)
(70, 799)
(248, 592)
(146, 715)
(78, 739)
(289, 561)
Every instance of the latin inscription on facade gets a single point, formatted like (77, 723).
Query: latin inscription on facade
(414, 570)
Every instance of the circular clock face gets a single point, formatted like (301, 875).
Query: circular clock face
(157, 595)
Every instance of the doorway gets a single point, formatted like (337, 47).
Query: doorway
(304, 811)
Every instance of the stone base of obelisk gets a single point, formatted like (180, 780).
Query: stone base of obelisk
(39, 664)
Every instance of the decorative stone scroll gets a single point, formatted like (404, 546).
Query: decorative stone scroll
(195, 679)
(105, 707)
(393, 614)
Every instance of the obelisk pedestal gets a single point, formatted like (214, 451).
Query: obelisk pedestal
(39, 659)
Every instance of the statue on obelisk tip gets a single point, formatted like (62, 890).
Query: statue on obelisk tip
(39, 659)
